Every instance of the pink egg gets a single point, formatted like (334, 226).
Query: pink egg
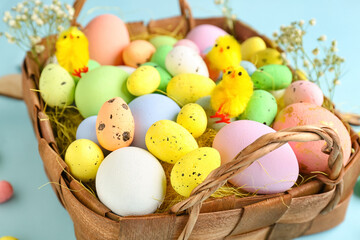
(204, 35)
(108, 36)
(6, 191)
(188, 43)
(273, 173)
(303, 91)
(309, 154)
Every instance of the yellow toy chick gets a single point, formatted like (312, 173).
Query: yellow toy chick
(225, 53)
(231, 96)
(72, 51)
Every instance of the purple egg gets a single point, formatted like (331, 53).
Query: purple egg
(204, 35)
(273, 173)
(188, 43)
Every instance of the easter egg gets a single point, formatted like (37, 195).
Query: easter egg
(115, 124)
(205, 103)
(6, 191)
(160, 55)
(165, 77)
(56, 86)
(192, 169)
(169, 141)
(182, 59)
(137, 53)
(261, 108)
(144, 80)
(275, 172)
(161, 40)
(131, 181)
(265, 57)
(272, 77)
(188, 43)
(303, 91)
(251, 46)
(127, 69)
(87, 129)
(309, 154)
(83, 158)
(205, 35)
(108, 36)
(193, 117)
(8, 238)
(187, 88)
(147, 110)
(98, 86)
(249, 67)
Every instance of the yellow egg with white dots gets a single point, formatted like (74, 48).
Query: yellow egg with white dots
(193, 117)
(83, 157)
(169, 141)
(144, 80)
(266, 57)
(192, 169)
(251, 46)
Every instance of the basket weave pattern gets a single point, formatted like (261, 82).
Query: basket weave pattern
(315, 206)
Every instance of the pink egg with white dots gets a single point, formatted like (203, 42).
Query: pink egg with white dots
(188, 43)
(303, 92)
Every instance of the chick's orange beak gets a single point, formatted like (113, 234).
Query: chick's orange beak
(221, 49)
(71, 36)
(233, 74)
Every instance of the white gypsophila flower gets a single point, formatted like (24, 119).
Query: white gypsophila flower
(219, 2)
(25, 10)
(9, 37)
(334, 43)
(315, 51)
(306, 63)
(34, 40)
(38, 2)
(34, 17)
(337, 82)
(39, 49)
(322, 38)
(60, 28)
(19, 7)
(233, 16)
(12, 23)
(312, 22)
(71, 12)
(301, 22)
(39, 22)
(23, 17)
(331, 69)
(334, 49)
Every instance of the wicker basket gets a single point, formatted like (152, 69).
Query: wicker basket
(315, 206)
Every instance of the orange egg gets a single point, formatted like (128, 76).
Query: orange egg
(115, 124)
(309, 154)
(138, 52)
(108, 36)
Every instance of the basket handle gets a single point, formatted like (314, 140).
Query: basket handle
(184, 7)
(259, 148)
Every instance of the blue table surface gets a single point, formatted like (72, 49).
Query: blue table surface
(36, 214)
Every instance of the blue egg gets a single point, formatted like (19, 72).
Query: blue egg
(249, 67)
(87, 129)
(148, 109)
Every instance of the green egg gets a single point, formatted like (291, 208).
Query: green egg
(165, 77)
(56, 86)
(262, 108)
(162, 40)
(160, 55)
(272, 77)
(98, 86)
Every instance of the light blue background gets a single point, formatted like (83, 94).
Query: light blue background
(36, 214)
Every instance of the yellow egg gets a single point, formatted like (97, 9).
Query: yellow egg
(169, 141)
(83, 158)
(189, 87)
(251, 46)
(144, 80)
(8, 238)
(266, 57)
(193, 117)
(193, 168)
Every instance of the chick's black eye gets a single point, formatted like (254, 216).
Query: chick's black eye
(228, 47)
(78, 37)
(239, 73)
(229, 72)
(216, 45)
(65, 37)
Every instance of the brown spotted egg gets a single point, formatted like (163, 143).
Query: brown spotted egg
(115, 124)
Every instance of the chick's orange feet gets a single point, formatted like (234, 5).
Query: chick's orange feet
(224, 118)
(77, 72)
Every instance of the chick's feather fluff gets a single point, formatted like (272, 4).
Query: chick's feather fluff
(72, 49)
(233, 93)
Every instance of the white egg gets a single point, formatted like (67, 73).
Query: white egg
(127, 69)
(131, 181)
(182, 59)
